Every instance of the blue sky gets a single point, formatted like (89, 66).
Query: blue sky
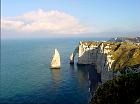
(95, 17)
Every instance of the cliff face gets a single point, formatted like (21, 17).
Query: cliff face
(87, 53)
(97, 53)
(108, 56)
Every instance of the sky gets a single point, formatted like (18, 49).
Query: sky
(69, 18)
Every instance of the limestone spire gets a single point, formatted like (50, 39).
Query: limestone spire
(56, 64)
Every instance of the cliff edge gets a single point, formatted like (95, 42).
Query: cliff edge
(108, 56)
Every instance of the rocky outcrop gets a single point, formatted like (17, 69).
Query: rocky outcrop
(108, 56)
(71, 58)
(55, 64)
(72, 55)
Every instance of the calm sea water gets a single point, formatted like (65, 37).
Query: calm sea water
(26, 77)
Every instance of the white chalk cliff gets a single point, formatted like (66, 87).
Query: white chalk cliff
(98, 54)
(56, 64)
(108, 56)
(71, 58)
(72, 55)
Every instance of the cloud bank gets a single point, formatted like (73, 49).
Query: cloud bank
(55, 23)
(51, 22)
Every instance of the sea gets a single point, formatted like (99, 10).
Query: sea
(26, 77)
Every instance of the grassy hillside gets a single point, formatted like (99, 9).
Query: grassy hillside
(121, 90)
(125, 55)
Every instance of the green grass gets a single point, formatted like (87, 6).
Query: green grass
(121, 90)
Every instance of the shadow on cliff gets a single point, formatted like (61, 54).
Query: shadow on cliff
(93, 77)
(94, 61)
(88, 72)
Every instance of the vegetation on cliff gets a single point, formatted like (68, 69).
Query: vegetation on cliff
(125, 55)
(120, 90)
(122, 56)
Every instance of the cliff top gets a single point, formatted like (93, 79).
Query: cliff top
(125, 54)
(89, 43)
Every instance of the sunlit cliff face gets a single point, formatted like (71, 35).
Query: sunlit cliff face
(108, 56)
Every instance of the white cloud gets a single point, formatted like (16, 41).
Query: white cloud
(54, 21)
(42, 23)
